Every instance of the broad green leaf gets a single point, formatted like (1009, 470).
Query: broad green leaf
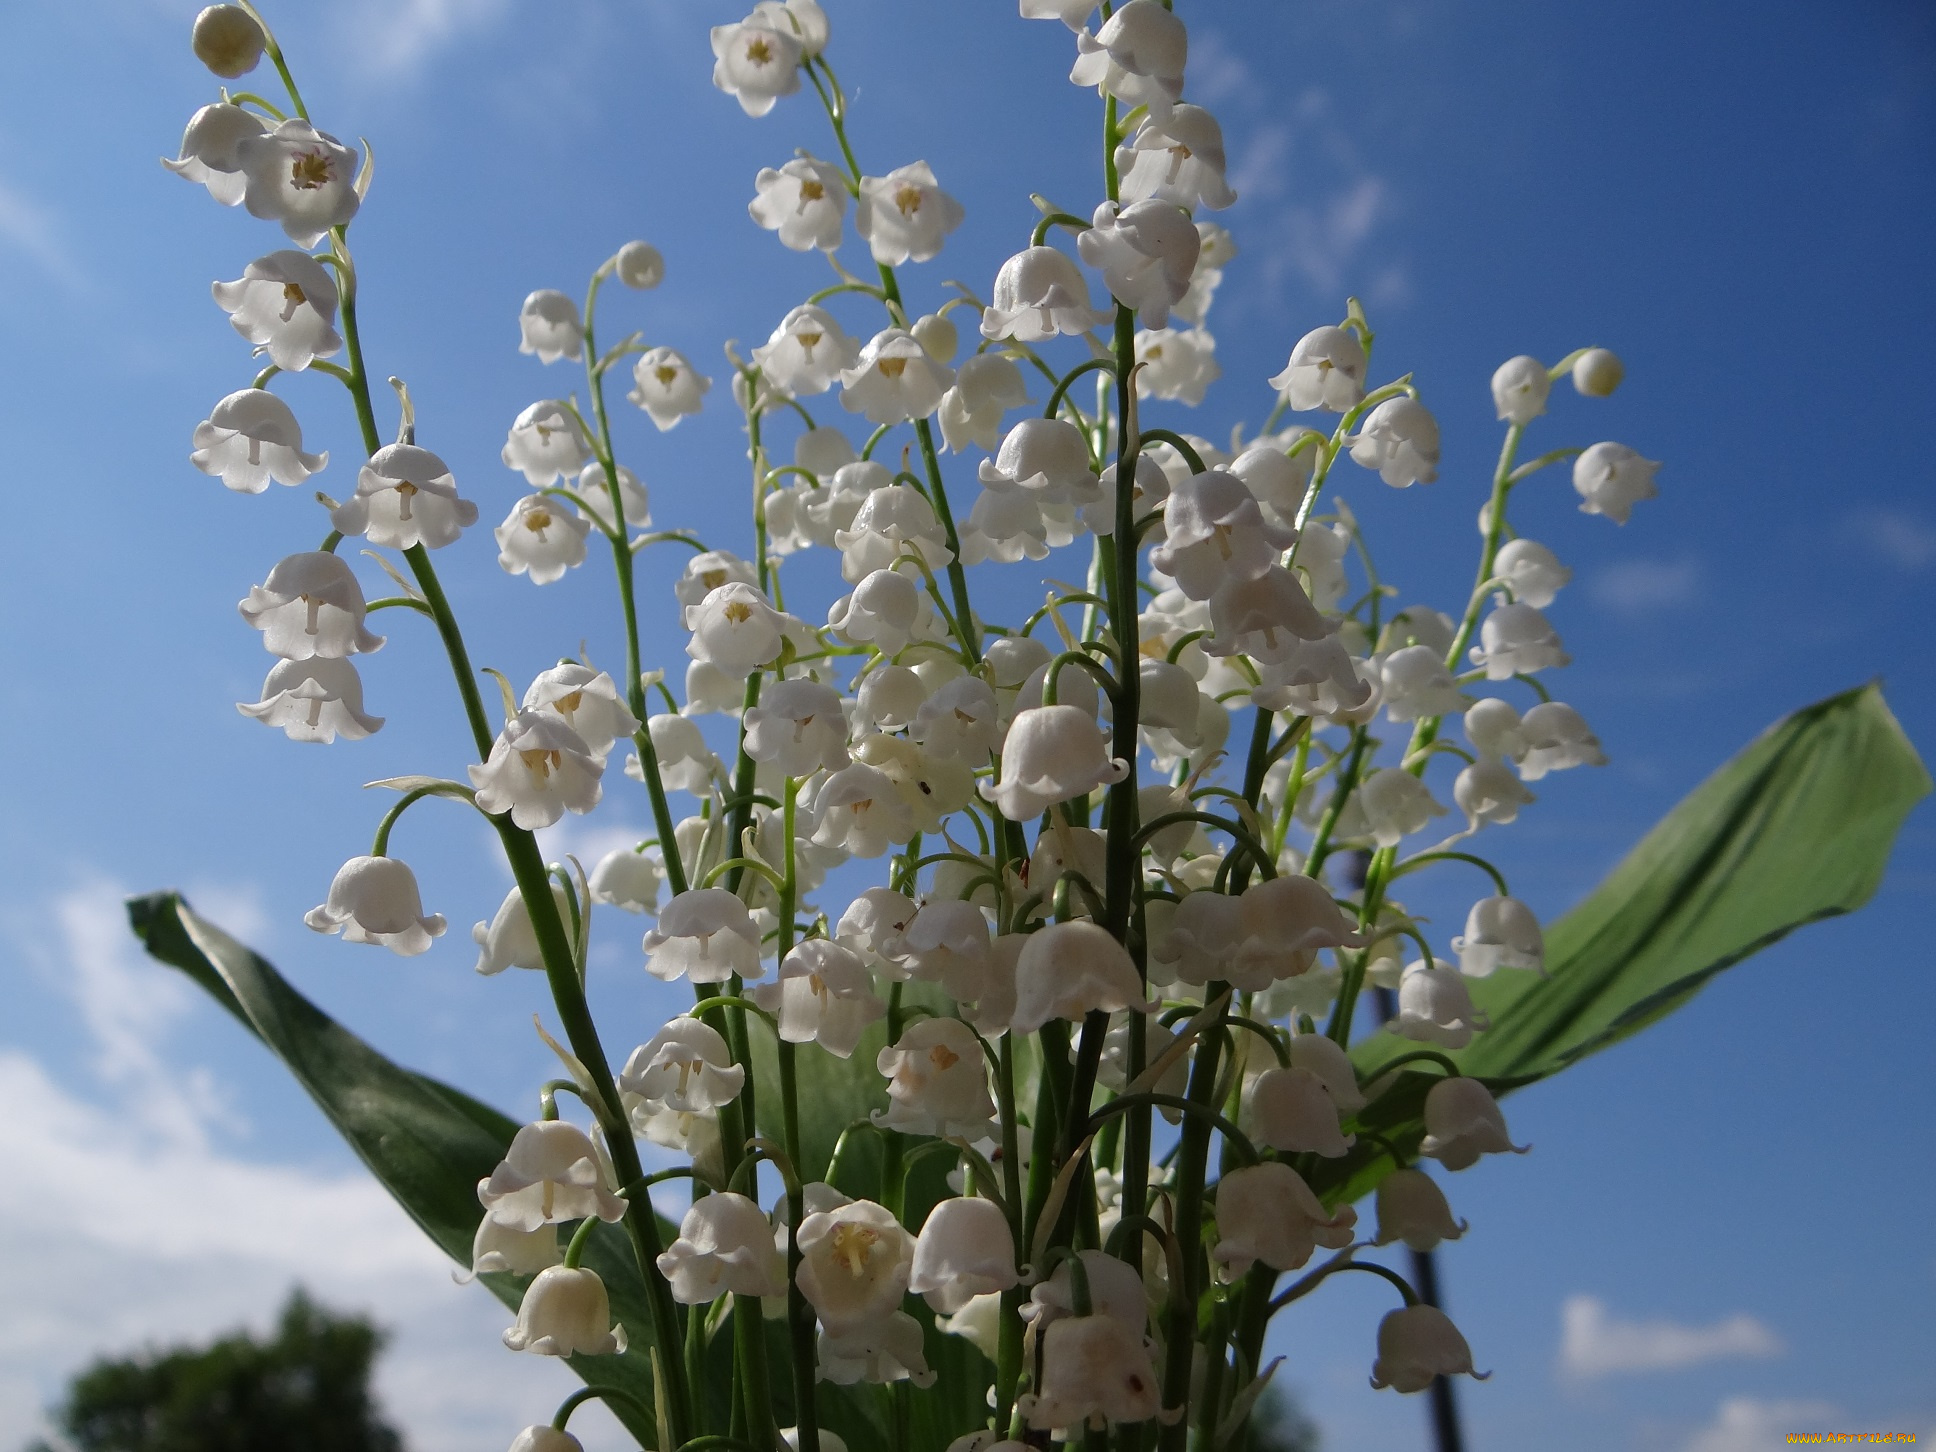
(427, 1143)
(1796, 828)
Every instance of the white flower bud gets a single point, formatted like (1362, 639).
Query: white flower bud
(965, 1250)
(705, 935)
(251, 437)
(1400, 442)
(935, 333)
(298, 176)
(228, 41)
(855, 1262)
(1597, 372)
(979, 1323)
(904, 215)
(1611, 479)
(1204, 931)
(1531, 571)
(1266, 1212)
(639, 265)
(1519, 389)
(1463, 1122)
(627, 879)
(1517, 640)
(1137, 56)
(375, 900)
(666, 386)
(756, 64)
(1039, 293)
(509, 940)
(1396, 804)
(1326, 370)
(1492, 726)
(285, 304)
(1500, 932)
(545, 1439)
(1179, 158)
(1070, 969)
(551, 1173)
(1556, 737)
(1417, 1345)
(803, 202)
(1412, 1208)
(1052, 754)
(405, 496)
(566, 1313)
(317, 699)
(824, 995)
(538, 769)
(549, 325)
(725, 1246)
(685, 1067)
(894, 380)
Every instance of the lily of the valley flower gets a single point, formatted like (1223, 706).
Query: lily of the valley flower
(209, 150)
(756, 64)
(823, 995)
(548, 325)
(807, 353)
(895, 379)
(685, 1067)
(551, 1173)
(405, 497)
(1500, 932)
(585, 700)
(546, 443)
(285, 304)
(251, 437)
(566, 1312)
(1412, 1208)
(1051, 754)
(541, 537)
(1326, 370)
(1040, 293)
(1532, 571)
(1611, 479)
(986, 386)
(1215, 534)
(1556, 737)
(1266, 1212)
(1417, 1345)
(1519, 389)
(317, 699)
(666, 386)
(298, 176)
(855, 1262)
(1071, 969)
(704, 935)
(1179, 158)
(1435, 1007)
(628, 880)
(1399, 441)
(905, 214)
(1517, 640)
(311, 605)
(803, 201)
(965, 1249)
(1137, 56)
(937, 1082)
(735, 628)
(1095, 1372)
(1463, 1122)
(508, 940)
(1147, 252)
(538, 769)
(375, 900)
(725, 1247)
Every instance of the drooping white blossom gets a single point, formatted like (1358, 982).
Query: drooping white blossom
(1531, 571)
(1417, 1345)
(315, 699)
(1489, 794)
(1265, 617)
(1178, 158)
(1215, 535)
(210, 153)
(878, 1351)
(855, 1262)
(545, 443)
(1396, 804)
(1516, 639)
(871, 922)
(1611, 479)
(1286, 921)
(894, 380)
(1463, 1122)
(1292, 1110)
(543, 1437)
(666, 386)
(685, 1067)
(890, 521)
(1094, 1370)
(859, 810)
(285, 304)
(1070, 969)
(803, 201)
(508, 940)
(1519, 389)
(566, 1312)
(686, 762)
(735, 628)
(1137, 56)
(311, 605)
(1399, 441)
(1052, 754)
(800, 726)
(824, 995)
(538, 769)
(549, 325)
(1178, 363)
(627, 879)
(1411, 1207)
(807, 353)
(806, 22)
(937, 1082)
(405, 497)
(1500, 932)
(756, 63)
(585, 700)
(375, 900)
(1556, 737)
(551, 1173)
(298, 176)
(1492, 726)
(725, 1247)
(965, 1249)
(541, 537)
(960, 720)
(1435, 1007)
(251, 437)
(946, 942)
(986, 386)
(1147, 253)
(1417, 684)
(704, 935)
(1038, 294)
(905, 214)
(885, 610)
(1266, 1212)
(1326, 370)
(502, 1249)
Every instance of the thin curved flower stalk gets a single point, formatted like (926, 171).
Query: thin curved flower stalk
(1089, 842)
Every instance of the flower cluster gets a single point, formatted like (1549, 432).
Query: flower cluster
(1106, 927)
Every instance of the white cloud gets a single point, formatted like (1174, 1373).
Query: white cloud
(1638, 586)
(1594, 1343)
(1743, 1424)
(1898, 536)
(32, 229)
(394, 38)
(126, 1220)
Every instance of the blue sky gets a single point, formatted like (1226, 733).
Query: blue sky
(1739, 201)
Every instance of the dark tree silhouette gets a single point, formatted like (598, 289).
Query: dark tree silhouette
(306, 1389)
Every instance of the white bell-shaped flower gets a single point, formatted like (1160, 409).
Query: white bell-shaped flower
(1500, 932)
(1396, 804)
(1070, 969)
(937, 1082)
(1178, 364)
(1039, 293)
(1516, 640)
(541, 537)
(961, 720)
(877, 1351)
(946, 942)
(1492, 726)
(1147, 253)
(871, 923)
(551, 1173)
(855, 1262)
(538, 769)
(1519, 389)
(1435, 1007)
(705, 573)
(252, 437)
(1326, 370)
(1319, 678)
(501, 1249)
(735, 628)
(1072, 13)
(1417, 1345)
(1463, 1122)
(666, 386)
(1179, 158)
(585, 700)
(1215, 251)
(317, 699)
(824, 995)
(298, 176)
(1531, 571)
(824, 451)
(1044, 457)
(1293, 1111)
(210, 154)
(1611, 479)
(1266, 1212)
(884, 610)
(1095, 1372)
(566, 1312)
(1204, 932)
(859, 810)
(1329, 1061)
(1556, 737)
(1052, 754)
(1286, 921)
(986, 386)
(686, 763)
(1320, 555)
(405, 496)
(807, 353)
(508, 940)
(549, 325)
(807, 23)
(965, 1249)
(1215, 535)
(1417, 684)
(1597, 373)
(639, 265)
(285, 304)
(545, 443)
(545, 1438)
(311, 605)
(627, 879)
(891, 520)
(725, 1247)
(756, 64)
(1489, 794)
(1412, 1208)
(894, 380)
(375, 900)
(1006, 527)
(1115, 1291)
(1399, 441)
(685, 1067)
(904, 215)
(803, 201)
(704, 935)
(1267, 617)
(1151, 488)
(1419, 625)
(1137, 56)
(800, 726)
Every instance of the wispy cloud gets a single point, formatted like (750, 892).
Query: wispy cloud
(32, 229)
(1744, 1424)
(395, 38)
(1896, 535)
(1635, 587)
(1595, 1343)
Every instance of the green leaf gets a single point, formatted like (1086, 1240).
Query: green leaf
(427, 1143)
(1796, 828)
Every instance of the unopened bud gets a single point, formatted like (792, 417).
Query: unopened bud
(228, 41)
(1597, 372)
(937, 335)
